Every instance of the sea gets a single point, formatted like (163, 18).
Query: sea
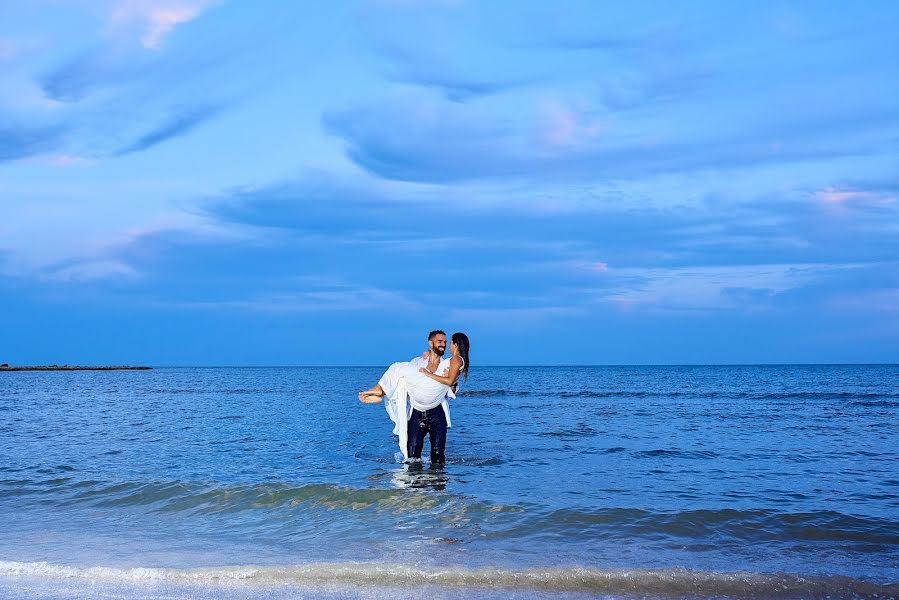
(560, 482)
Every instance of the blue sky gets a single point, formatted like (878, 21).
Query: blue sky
(201, 182)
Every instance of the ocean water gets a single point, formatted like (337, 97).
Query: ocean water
(616, 482)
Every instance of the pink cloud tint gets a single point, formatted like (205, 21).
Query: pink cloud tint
(834, 196)
(7, 50)
(159, 17)
(831, 195)
(563, 126)
(66, 160)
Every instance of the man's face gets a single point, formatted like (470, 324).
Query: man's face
(438, 344)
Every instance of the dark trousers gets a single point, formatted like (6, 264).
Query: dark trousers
(433, 423)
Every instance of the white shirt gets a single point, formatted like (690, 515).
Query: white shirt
(418, 361)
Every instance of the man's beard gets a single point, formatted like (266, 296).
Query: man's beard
(438, 350)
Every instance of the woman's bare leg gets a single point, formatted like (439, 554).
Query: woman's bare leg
(372, 395)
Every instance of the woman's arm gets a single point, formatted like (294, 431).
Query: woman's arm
(452, 374)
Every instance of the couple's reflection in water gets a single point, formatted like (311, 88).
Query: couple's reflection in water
(417, 475)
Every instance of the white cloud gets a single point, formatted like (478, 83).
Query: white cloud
(832, 195)
(91, 270)
(49, 226)
(157, 18)
(335, 297)
(161, 22)
(742, 287)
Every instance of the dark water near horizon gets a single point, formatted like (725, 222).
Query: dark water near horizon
(738, 481)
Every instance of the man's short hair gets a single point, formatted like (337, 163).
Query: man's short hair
(435, 332)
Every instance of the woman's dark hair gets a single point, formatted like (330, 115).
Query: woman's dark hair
(461, 340)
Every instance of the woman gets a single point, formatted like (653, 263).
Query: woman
(426, 392)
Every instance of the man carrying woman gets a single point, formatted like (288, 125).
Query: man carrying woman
(426, 392)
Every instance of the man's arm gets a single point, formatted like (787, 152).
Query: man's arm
(421, 361)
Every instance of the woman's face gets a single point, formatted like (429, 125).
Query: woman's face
(454, 349)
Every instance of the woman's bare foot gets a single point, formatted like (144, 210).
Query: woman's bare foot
(370, 397)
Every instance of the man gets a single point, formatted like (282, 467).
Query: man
(432, 422)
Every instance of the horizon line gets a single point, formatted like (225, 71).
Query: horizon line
(549, 365)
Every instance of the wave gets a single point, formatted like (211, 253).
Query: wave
(827, 528)
(215, 498)
(876, 403)
(325, 499)
(688, 454)
(332, 505)
(499, 392)
(822, 395)
(208, 391)
(629, 582)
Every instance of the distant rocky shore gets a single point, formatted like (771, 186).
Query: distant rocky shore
(5, 367)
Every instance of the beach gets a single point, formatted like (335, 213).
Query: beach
(699, 482)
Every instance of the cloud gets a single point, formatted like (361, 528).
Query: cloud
(332, 298)
(157, 17)
(832, 195)
(502, 226)
(387, 245)
(115, 61)
(63, 231)
(175, 126)
(66, 160)
(437, 46)
(83, 74)
(19, 142)
(418, 65)
(420, 138)
(711, 288)
(316, 202)
(133, 96)
(531, 255)
(162, 22)
(653, 101)
(566, 127)
(456, 88)
(92, 270)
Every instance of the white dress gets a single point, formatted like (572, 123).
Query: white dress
(404, 382)
(424, 393)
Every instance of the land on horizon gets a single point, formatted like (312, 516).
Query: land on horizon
(73, 368)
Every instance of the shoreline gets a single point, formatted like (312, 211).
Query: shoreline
(75, 368)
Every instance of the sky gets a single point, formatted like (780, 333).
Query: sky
(214, 182)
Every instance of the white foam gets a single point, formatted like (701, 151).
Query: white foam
(657, 583)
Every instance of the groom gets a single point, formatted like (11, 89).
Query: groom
(433, 422)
